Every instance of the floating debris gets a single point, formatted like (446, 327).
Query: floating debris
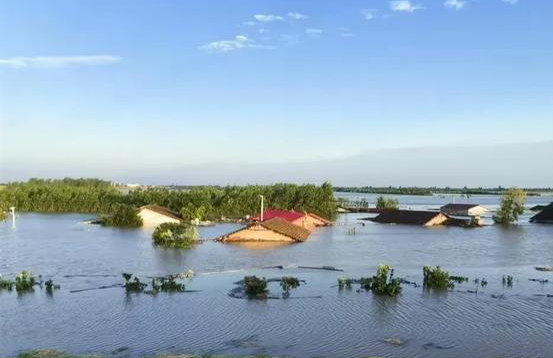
(501, 296)
(544, 268)
(542, 281)
(395, 341)
(436, 346)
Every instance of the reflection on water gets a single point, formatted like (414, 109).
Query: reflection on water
(319, 320)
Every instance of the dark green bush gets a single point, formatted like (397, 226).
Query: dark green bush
(167, 284)
(255, 287)
(175, 235)
(436, 279)
(288, 283)
(133, 286)
(24, 281)
(124, 216)
(383, 283)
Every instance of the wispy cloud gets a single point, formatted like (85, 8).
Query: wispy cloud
(511, 2)
(455, 4)
(238, 43)
(58, 61)
(267, 18)
(405, 6)
(314, 33)
(345, 32)
(368, 14)
(297, 16)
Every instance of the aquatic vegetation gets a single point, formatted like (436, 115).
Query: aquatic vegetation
(344, 282)
(6, 284)
(123, 216)
(175, 235)
(459, 279)
(383, 283)
(24, 281)
(436, 279)
(167, 284)
(255, 287)
(133, 286)
(508, 280)
(50, 286)
(386, 203)
(288, 283)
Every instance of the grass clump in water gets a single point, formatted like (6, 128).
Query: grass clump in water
(167, 284)
(255, 287)
(181, 236)
(383, 283)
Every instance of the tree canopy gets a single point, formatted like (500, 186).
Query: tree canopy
(512, 205)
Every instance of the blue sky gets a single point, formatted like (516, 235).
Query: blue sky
(166, 91)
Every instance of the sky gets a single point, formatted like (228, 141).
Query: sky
(358, 92)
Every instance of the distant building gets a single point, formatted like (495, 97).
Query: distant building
(411, 217)
(272, 230)
(308, 221)
(463, 210)
(153, 215)
(545, 216)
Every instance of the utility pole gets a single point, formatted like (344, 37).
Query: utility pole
(261, 216)
(13, 216)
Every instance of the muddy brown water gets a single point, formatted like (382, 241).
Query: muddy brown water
(319, 320)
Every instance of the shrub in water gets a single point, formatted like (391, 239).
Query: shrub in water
(50, 287)
(255, 287)
(175, 235)
(133, 285)
(436, 279)
(383, 283)
(6, 284)
(288, 283)
(24, 281)
(124, 216)
(167, 284)
(344, 282)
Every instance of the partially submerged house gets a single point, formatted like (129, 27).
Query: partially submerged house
(153, 215)
(411, 217)
(308, 221)
(273, 230)
(545, 216)
(463, 210)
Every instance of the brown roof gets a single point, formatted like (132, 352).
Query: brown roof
(544, 216)
(286, 228)
(279, 226)
(411, 217)
(161, 210)
(458, 206)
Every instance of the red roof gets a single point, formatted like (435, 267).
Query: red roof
(287, 215)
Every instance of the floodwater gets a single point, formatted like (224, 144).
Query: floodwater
(318, 320)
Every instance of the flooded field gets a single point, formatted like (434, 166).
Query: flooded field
(318, 320)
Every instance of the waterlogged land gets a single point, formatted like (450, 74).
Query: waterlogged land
(317, 320)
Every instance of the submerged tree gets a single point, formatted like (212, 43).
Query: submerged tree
(124, 216)
(175, 235)
(512, 205)
(386, 203)
(383, 283)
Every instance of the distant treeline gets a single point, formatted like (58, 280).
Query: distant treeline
(102, 197)
(436, 190)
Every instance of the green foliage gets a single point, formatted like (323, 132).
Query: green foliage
(512, 205)
(50, 286)
(288, 283)
(133, 286)
(436, 279)
(24, 281)
(344, 282)
(207, 202)
(167, 284)
(6, 284)
(124, 216)
(175, 235)
(386, 203)
(383, 283)
(255, 287)
(3, 215)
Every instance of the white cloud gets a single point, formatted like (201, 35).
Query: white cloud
(58, 61)
(267, 18)
(250, 23)
(297, 16)
(511, 2)
(313, 32)
(455, 4)
(405, 5)
(368, 14)
(238, 43)
(345, 32)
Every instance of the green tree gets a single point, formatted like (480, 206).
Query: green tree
(512, 205)
(386, 203)
(175, 235)
(124, 216)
